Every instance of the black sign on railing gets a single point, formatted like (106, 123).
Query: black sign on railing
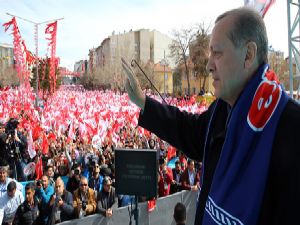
(136, 172)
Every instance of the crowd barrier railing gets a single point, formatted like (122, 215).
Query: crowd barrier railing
(162, 214)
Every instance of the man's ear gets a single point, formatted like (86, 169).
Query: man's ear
(251, 54)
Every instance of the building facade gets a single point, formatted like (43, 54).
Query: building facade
(142, 45)
(163, 78)
(6, 55)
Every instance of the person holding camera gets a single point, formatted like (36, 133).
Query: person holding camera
(84, 199)
(15, 145)
(165, 178)
(61, 204)
(106, 199)
(43, 193)
(73, 182)
(3, 137)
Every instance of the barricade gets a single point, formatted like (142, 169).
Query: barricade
(162, 214)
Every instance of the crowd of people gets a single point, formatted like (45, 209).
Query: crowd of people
(75, 177)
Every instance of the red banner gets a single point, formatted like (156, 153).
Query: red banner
(19, 51)
(51, 30)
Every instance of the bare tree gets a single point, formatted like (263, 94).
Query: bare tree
(199, 53)
(177, 81)
(148, 68)
(180, 48)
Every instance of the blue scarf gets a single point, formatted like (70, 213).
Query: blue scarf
(241, 173)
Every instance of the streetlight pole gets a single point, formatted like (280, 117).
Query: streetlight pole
(165, 74)
(37, 63)
(164, 63)
(36, 37)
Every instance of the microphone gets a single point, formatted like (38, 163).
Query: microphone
(132, 65)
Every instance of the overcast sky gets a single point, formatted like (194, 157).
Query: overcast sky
(87, 22)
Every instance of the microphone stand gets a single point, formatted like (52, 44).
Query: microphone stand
(135, 62)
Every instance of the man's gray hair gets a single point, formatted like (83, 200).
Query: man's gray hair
(60, 180)
(248, 26)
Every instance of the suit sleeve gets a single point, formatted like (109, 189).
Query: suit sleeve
(67, 207)
(17, 216)
(183, 130)
(100, 209)
(184, 181)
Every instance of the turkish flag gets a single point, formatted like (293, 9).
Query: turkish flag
(171, 152)
(39, 169)
(151, 205)
(45, 144)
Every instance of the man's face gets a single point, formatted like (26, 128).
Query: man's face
(96, 170)
(50, 172)
(45, 182)
(77, 173)
(83, 186)
(11, 194)
(107, 187)
(191, 166)
(29, 195)
(226, 62)
(59, 187)
(3, 175)
(162, 146)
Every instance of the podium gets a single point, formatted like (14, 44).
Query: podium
(136, 174)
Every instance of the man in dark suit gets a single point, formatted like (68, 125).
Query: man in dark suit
(176, 183)
(107, 199)
(61, 204)
(242, 138)
(190, 178)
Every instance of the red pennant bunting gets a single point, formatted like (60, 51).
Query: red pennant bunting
(51, 29)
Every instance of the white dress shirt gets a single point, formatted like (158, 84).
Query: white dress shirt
(3, 186)
(9, 206)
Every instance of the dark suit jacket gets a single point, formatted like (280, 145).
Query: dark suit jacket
(187, 131)
(185, 181)
(106, 200)
(67, 210)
